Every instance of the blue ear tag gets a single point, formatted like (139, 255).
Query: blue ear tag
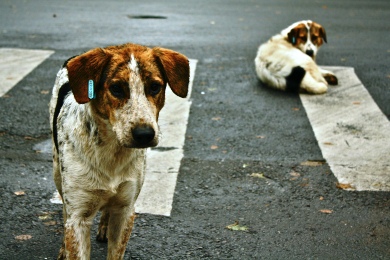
(91, 90)
(293, 40)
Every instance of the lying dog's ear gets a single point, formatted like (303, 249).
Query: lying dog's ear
(322, 33)
(176, 68)
(293, 35)
(297, 33)
(85, 68)
(319, 31)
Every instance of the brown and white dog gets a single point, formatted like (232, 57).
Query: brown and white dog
(287, 60)
(104, 112)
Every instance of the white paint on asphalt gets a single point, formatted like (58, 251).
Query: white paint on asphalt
(352, 132)
(15, 64)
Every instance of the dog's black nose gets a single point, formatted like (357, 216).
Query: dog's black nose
(143, 135)
(310, 53)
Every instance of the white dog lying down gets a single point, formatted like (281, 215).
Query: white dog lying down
(287, 60)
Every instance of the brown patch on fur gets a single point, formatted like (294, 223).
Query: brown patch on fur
(176, 69)
(331, 79)
(81, 69)
(317, 34)
(298, 35)
(71, 244)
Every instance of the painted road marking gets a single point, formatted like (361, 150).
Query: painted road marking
(163, 162)
(15, 64)
(352, 132)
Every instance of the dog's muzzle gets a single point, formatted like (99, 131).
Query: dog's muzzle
(310, 53)
(143, 136)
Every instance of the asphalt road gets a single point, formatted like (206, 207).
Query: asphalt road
(246, 145)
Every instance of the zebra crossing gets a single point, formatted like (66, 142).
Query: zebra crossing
(350, 129)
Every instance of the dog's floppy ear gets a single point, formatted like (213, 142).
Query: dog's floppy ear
(176, 68)
(319, 31)
(296, 33)
(82, 69)
(322, 33)
(293, 35)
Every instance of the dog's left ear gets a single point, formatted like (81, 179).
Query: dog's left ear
(323, 33)
(82, 69)
(321, 30)
(176, 68)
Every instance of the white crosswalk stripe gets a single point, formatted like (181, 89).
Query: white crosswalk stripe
(352, 132)
(15, 64)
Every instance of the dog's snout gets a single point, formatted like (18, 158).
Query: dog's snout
(310, 53)
(143, 135)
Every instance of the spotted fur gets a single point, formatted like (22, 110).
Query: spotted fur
(287, 60)
(99, 145)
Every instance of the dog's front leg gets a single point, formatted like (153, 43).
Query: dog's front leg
(80, 208)
(119, 230)
(77, 238)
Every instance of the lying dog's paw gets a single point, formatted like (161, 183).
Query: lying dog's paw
(331, 79)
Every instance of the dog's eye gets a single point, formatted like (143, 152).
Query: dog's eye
(117, 91)
(155, 88)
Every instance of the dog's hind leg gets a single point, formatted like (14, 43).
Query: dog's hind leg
(312, 85)
(103, 224)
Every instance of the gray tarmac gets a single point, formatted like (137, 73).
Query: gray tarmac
(258, 176)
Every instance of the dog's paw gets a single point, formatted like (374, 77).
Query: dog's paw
(102, 235)
(331, 79)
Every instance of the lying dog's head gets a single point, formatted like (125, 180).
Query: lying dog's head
(307, 36)
(128, 88)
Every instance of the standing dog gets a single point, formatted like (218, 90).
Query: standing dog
(103, 113)
(287, 60)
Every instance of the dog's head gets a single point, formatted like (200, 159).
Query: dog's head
(128, 88)
(307, 36)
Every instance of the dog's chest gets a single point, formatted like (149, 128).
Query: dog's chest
(90, 154)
